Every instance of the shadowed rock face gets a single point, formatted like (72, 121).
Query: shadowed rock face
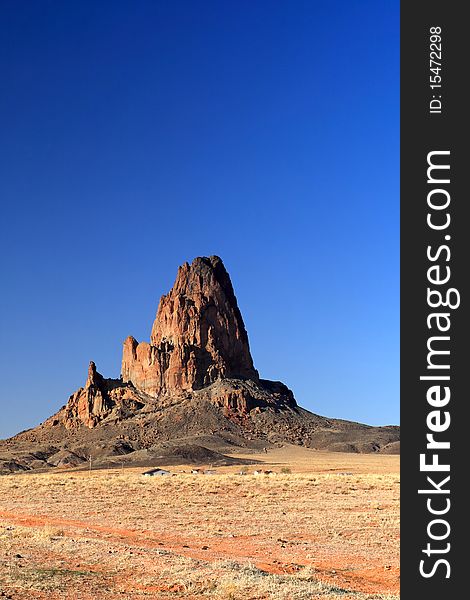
(198, 336)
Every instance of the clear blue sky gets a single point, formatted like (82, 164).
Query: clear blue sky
(138, 135)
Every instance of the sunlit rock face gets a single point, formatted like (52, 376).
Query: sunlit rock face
(198, 336)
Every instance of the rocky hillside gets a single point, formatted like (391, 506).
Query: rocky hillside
(194, 383)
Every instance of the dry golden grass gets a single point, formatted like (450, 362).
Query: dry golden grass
(328, 530)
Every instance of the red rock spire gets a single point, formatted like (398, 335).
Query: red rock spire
(197, 338)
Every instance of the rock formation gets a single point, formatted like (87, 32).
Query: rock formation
(198, 340)
(99, 399)
(90, 404)
(198, 336)
(194, 381)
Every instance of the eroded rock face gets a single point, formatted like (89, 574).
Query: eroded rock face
(90, 404)
(198, 350)
(240, 398)
(198, 336)
(101, 398)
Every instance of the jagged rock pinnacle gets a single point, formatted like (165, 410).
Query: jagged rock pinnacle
(90, 404)
(198, 336)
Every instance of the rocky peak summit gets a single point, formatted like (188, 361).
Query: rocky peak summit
(198, 336)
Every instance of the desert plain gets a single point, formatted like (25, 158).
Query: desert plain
(323, 525)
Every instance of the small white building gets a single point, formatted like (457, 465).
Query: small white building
(156, 473)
